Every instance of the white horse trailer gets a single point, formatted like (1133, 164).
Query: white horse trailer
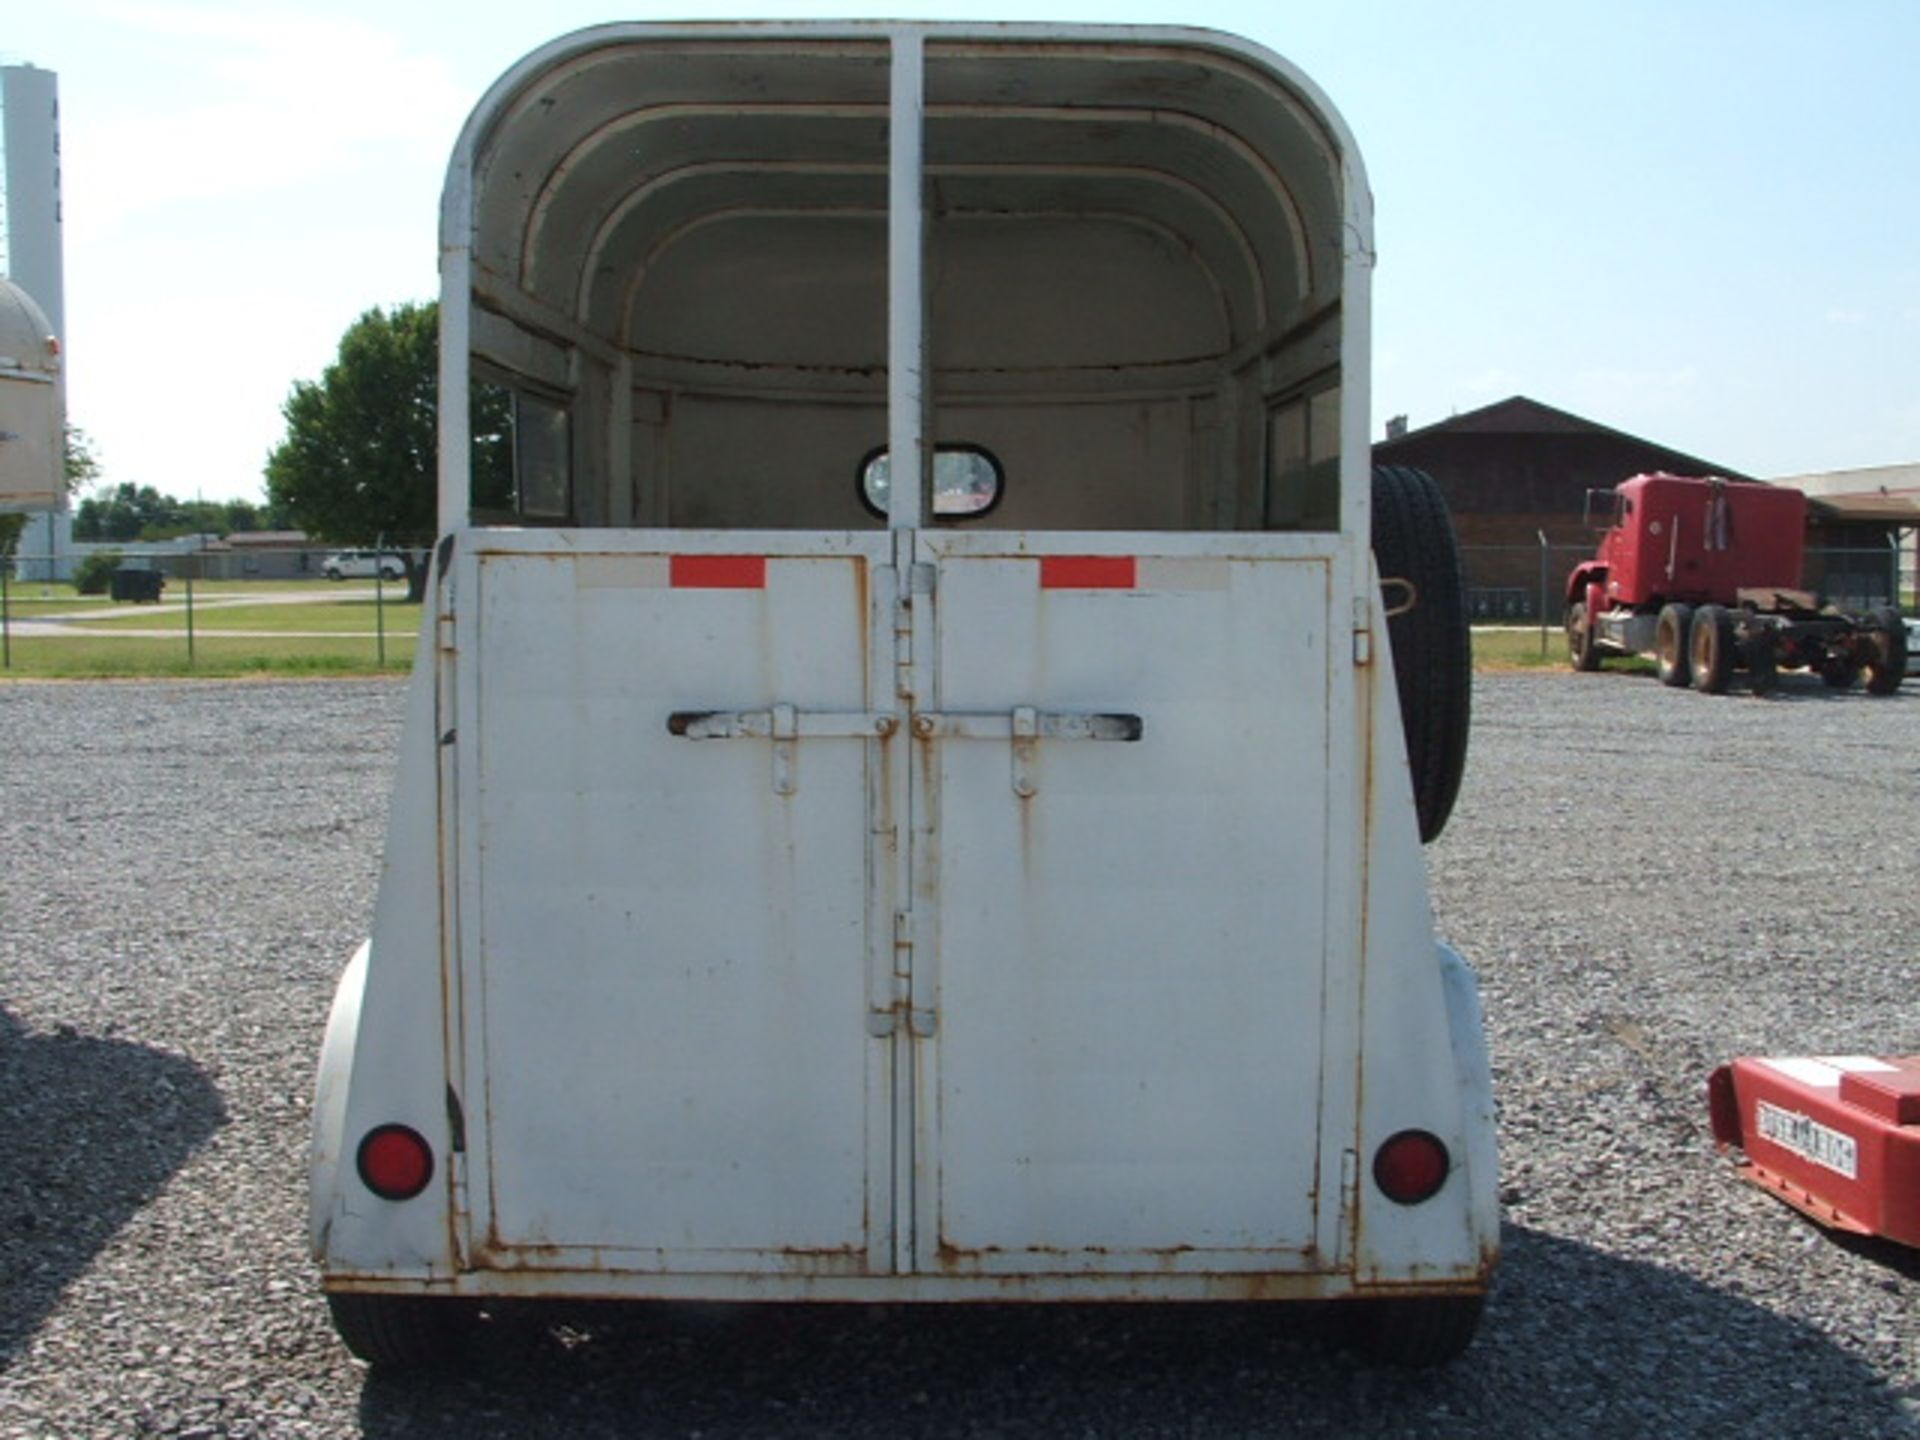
(995, 876)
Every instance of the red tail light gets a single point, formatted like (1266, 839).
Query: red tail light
(1411, 1166)
(395, 1163)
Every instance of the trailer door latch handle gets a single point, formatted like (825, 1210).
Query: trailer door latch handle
(784, 725)
(1025, 726)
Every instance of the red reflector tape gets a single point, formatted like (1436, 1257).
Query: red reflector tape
(1087, 572)
(719, 572)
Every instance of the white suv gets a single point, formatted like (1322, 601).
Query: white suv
(363, 565)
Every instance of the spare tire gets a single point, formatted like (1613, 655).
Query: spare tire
(1413, 541)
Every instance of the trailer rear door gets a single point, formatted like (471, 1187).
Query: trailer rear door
(668, 949)
(708, 1028)
(1121, 811)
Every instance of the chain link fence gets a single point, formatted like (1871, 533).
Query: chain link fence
(1520, 586)
(1525, 585)
(206, 597)
(204, 558)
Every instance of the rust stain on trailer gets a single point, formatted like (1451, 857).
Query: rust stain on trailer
(825, 1261)
(863, 617)
(528, 1257)
(959, 1262)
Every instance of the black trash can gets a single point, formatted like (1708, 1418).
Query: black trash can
(133, 583)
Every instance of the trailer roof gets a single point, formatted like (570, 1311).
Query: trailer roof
(599, 150)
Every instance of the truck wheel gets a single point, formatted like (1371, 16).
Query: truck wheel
(1413, 540)
(1886, 661)
(402, 1332)
(1710, 649)
(1581, 650)
(1839, 671)
(1670, 644)
(1417, 1333)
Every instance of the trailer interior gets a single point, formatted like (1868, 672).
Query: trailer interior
(1112, 286)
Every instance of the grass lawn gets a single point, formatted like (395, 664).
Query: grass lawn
(165, 656)
(345, 617)
(1509, 649)
(29, 603)
(316, 628)
(1506, 649)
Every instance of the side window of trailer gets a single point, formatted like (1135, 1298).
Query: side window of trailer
(1303, 460)
(522, 455)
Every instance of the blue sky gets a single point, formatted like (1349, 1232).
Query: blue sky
(1696, 220)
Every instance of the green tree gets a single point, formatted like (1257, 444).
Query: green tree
(242, 517)
(132, 512)
(82, 466)
(140, 512)
(357, 464)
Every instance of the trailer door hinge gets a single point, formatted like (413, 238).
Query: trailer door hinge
(1348, 1235)
(920, 581)
(893, 989)
(456, 1121)
(1362, 630)
(892, 999)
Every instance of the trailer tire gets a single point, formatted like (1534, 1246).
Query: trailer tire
(1581, 649)
(1886, 664)
(1670, 636)
(1416, 1332)
(403, 1332)
(1710, 649)
(1413, 540)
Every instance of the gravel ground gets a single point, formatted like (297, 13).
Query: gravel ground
(1648, 881)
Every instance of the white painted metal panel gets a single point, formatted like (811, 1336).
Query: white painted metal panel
(673, 1069)
(1129, 958)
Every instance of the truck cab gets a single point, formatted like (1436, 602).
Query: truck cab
(1693, 539)
(905, 795)
(1705, 573)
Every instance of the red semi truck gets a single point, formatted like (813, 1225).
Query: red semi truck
(1705, 574)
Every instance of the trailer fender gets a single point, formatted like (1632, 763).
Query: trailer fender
(330, 1096)
(1473, 1074)
(384, 1059)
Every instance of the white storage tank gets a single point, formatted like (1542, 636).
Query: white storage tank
(31, 404)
